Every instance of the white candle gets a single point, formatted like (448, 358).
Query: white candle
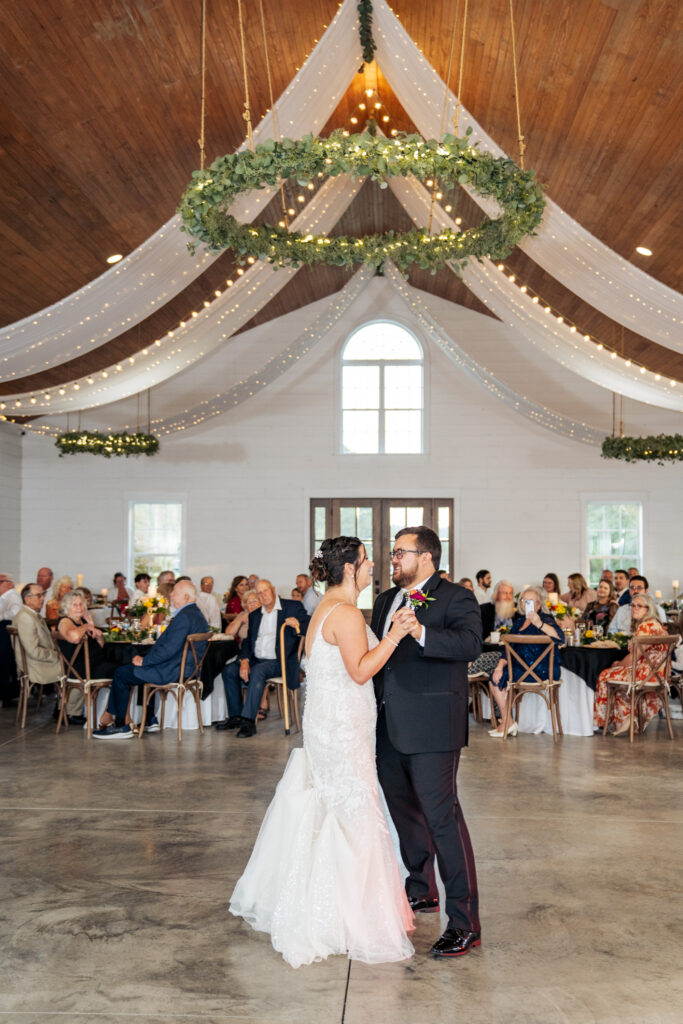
(674, 584)
(104, 592)
(658, 594)
(152, 590)
(554, 599)
(79, 579)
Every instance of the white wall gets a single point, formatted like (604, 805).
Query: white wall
(246, 477)
(10, 499)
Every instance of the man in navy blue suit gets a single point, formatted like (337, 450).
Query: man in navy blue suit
(161, 664)
(260, 657)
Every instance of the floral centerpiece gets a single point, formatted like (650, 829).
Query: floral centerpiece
(156, 605)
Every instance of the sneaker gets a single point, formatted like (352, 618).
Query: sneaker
(113, 732)
(153, 725)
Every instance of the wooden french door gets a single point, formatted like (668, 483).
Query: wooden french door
(376, 521)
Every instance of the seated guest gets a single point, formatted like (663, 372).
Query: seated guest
(120, 593)
(261, 657)
(61, 587)
(253, 579)
(608, 575)
(444, 574)
(622, 621)
(551, 584)
(632, 571)
(239, 627)
(579, 593)
(295, 594)
(310, 598)
(500, 610)
(73, 625)
(238, 588)
(141, 592)
(209, 609)
(601, 611)
(538, 622)
(161, 663)
(646, 623)
(481, 591)
(10, 601)
(465, 582)
(42, 660)
(621, 582)
(44, 578)
(206, 585)
(167, 576)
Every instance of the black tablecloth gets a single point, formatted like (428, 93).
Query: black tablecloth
(589, 662)
(586, 662)
(219, 653)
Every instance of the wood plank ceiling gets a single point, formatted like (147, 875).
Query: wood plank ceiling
(100, 111)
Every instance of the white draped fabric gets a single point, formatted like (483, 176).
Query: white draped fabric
(214, 709)
(576, 709)
(519, 311)
(201, 334)
(161, 267)
(562, 247)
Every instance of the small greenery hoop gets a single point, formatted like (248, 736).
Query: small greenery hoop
(204, 205)
(660, 448)
(95, 443)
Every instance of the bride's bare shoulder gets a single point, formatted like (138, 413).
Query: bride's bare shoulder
(341, 618)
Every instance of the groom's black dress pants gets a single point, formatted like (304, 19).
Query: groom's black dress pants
(422, 796)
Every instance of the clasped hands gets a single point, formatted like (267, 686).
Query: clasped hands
(404, 623)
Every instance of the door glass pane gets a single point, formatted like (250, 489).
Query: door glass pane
(319, 520)
(347, 521)
(361, 432)
(403, 387)
(445, 555)
(360, 387)
(443, 522)
(403, 432)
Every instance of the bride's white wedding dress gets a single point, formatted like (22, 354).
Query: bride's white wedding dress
(323, 877)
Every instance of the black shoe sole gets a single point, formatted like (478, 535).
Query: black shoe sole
(449, 956)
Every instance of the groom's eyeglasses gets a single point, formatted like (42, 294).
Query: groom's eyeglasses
(400, 552)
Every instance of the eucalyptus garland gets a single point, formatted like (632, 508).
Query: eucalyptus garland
(659, 448)
(366, 40)
(450, 161)
(95, 443)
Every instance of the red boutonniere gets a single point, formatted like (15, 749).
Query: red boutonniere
(418, 599)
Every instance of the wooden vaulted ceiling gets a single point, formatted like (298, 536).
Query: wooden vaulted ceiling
(100, 116)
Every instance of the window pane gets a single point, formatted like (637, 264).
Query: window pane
(360, 387)
(444, 522)
(403, 387)
(319, 520)
(364, 526)
(360, 432)
(403, 431)
(445, 555)
(613, 536)
(347, 521)
(157, 527)
(382, 341)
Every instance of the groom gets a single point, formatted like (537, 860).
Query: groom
(422, 696)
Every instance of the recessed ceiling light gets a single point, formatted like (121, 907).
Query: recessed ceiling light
(643, 250)
(115, 258)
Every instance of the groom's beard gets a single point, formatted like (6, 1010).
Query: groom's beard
(406, 581)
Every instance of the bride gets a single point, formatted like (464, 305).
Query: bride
(323, 876)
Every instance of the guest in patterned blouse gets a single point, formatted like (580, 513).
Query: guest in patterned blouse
(646, 622)
(538, 622)
(601, 611)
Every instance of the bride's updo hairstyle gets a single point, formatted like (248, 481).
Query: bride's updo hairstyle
(335, 552)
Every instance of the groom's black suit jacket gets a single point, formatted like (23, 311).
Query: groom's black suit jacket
(424, 690)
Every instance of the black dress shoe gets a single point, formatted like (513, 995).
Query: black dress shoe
(234, 722)
(248, 728)
(419, 905)
(76, 719)
(455, 942)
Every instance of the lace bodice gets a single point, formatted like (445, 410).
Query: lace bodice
(339, 726)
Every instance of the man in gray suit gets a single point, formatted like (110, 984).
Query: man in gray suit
(42, 659)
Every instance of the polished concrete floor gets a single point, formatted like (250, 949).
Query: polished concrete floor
(118, 859)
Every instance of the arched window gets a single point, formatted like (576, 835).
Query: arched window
(382, 389)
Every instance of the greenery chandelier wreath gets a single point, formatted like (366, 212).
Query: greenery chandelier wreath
(205, 203)
(659, 448)
(95, 443)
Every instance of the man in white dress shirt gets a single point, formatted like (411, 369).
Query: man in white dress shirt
(210, 601)
(482, 591)
(309, 597)
(10, 601)
(621, 623)
(141, 592)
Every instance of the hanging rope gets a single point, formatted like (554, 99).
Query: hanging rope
(520, 137)
(247, 112)
(461, 69)
(202, 64)
(272, 109)
(149, 407)
(445, 109)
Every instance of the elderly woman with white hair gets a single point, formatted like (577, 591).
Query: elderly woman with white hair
(530, 621)
(74, 625)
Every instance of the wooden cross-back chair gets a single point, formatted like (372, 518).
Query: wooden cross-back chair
(178, 688)
(479, 684)
(285, 696)
(26, 684)
(82, 681)
(530, 681)
(657, 681)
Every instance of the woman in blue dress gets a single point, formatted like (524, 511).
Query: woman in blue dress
(526, 623)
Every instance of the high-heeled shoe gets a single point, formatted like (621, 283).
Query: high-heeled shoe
(512, 731)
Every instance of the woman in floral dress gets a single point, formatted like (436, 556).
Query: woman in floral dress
(645, 622)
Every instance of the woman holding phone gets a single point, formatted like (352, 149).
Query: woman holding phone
(530, 621)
